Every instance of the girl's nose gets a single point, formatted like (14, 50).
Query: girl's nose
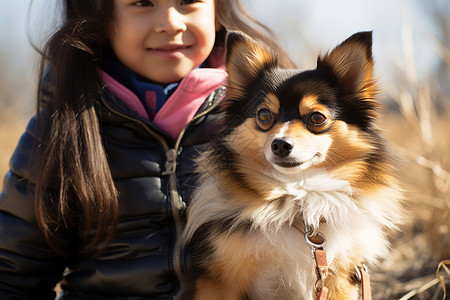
(170, 21)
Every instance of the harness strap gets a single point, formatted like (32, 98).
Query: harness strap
(365, 285)
(322, 294)
(320, 257)
(316, 240)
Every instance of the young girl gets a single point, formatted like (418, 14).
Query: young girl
(100, 180)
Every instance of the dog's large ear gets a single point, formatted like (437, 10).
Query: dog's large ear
(245, 59)
(352, 63)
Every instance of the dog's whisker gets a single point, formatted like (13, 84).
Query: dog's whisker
(338, 155)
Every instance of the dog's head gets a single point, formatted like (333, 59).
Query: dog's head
(290, 121)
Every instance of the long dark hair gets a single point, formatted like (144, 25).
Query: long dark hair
(232, 16)
(76, 200)
(75, 193)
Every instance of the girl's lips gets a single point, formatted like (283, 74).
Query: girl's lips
(170, 51)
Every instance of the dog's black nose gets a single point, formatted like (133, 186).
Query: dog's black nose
(282, 147)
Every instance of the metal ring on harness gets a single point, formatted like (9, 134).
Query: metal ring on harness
(358, 275)
(311, 234)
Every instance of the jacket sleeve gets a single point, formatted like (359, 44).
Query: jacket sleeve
(29, 269)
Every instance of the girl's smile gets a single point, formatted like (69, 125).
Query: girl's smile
(163, 40)
(170, 51)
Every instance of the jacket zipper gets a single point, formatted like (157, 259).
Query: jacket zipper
(170, 169)
(181, 204)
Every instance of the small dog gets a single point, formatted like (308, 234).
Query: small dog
(297, 150)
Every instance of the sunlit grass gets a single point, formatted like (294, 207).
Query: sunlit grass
(11, 127)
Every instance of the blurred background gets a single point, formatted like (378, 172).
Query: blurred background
(412, 61)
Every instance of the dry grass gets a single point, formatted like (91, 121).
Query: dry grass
(423, 241)
(417, 267)
(11, 127)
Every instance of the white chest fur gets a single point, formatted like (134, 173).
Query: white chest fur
(349, 228)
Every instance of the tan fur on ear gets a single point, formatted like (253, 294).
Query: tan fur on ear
(352, 62)
(245, 59)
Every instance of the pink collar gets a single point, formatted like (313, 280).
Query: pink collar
(181, 105)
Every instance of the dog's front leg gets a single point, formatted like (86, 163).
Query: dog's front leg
(230, 269)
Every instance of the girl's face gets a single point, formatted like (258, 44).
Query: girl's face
(163, 40)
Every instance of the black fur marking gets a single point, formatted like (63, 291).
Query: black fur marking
(200, 246)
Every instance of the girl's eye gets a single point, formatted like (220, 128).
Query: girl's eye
(317, 118)
(265, 118)
(143, 3)
(186, 2)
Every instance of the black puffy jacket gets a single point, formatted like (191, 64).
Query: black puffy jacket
(154, 176)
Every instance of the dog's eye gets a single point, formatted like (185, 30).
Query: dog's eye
(265, 117)
(317, 118)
